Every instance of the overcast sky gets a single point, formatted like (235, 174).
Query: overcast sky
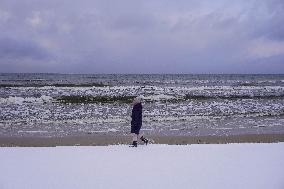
(142, 36)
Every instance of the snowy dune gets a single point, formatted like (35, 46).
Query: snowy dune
(234, 166)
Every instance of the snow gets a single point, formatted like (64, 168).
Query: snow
(234, 166)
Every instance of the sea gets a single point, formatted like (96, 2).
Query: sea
(47, 105)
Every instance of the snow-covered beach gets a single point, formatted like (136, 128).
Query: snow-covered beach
(235, 166)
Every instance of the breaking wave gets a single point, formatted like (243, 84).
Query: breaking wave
(53, 85)
(21, 100)
(233, 97)
(84, 99)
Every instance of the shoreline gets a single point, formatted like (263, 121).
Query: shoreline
(105, 140)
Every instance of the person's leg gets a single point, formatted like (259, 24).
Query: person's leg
(134, 137)
(145, 140)
(134, 140)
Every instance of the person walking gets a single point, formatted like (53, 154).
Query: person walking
(136, 122)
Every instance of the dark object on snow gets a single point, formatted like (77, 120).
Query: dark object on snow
(145, 140)
(134, 144)
(136, 116)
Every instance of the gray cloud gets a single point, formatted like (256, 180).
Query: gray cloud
(106, 36)
(15, 49)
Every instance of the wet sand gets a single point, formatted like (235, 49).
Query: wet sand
(103, 140)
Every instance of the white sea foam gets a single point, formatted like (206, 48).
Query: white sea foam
(21, 131)
(147, 90)
(21, 100)
(158, 97)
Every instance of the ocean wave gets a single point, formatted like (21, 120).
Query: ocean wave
(21, 100)
(85, 99)
(147, 119)
(53, 85)
(94, 99)
(210, 116)
(158, 98)
(232, 97)
(174, 93)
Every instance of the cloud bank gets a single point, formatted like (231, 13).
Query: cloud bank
(161, 36)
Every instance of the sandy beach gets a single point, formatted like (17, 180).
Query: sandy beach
(104, 140)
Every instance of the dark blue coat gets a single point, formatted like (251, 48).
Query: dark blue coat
(136, 116)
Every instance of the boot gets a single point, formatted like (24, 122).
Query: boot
(134, 144)
(145, 140)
